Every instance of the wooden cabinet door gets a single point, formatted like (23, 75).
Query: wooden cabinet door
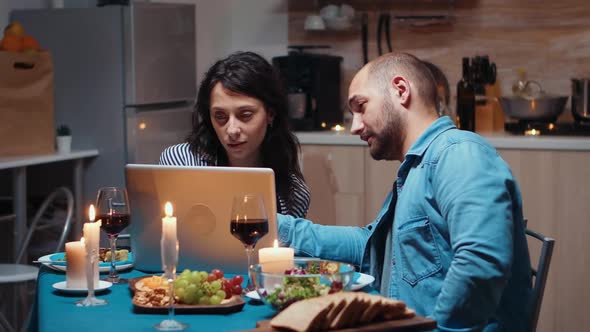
(335, 176)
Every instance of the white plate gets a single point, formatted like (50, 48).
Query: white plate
(362, 281)
(61, 266)
(61, 286)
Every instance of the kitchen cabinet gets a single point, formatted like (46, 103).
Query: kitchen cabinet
(555, 192)
(335, 176)
(348, 188)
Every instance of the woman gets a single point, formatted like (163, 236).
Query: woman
(240, 120)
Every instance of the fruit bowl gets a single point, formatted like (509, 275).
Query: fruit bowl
(279, 284)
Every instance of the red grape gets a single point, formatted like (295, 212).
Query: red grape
(236, 289)
(211, 277)
(237, 280)
(218, 273)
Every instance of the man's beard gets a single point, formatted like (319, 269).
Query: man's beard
(387, 145)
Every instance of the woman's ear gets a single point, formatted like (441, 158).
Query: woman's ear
(401, 88)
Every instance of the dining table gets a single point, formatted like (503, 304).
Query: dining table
(55, 310)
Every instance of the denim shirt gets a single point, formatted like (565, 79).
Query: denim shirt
(457, 250)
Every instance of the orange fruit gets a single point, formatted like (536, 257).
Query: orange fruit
(30, 43)
(14, 29)
(11, 43)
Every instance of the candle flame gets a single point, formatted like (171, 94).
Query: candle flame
(168, 209)
(91, 213)
(276, 243)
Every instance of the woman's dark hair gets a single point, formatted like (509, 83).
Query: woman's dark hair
(249, 74)
(441, 80)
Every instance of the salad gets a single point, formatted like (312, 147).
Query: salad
(299, 284)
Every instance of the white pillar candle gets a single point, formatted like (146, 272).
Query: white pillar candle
(75, 264)
(92, 239)
(276, 259)
(169, 242)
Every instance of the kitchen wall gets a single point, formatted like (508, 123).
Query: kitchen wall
(550, 39)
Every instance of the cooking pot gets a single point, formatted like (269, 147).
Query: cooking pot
(540, 108)
(533, 105)
(580, 99)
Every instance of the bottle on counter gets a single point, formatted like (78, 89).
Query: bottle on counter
(466, 99)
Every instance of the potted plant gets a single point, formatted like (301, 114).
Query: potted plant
(64, 139)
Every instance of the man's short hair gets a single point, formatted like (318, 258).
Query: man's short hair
(409, 66)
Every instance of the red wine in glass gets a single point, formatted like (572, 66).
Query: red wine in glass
(114, 223)
(249, 232)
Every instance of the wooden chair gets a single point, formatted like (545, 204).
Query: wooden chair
(539, 275)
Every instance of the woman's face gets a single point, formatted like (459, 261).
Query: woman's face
(240, 123)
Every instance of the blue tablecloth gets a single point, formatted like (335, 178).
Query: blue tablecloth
(57, 312)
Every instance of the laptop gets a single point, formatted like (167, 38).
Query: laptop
(202, 201)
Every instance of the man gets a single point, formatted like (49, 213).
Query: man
(449, 240)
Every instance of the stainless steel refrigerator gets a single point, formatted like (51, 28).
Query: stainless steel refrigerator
(124, 80)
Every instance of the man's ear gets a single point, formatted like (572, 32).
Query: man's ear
(401, 88)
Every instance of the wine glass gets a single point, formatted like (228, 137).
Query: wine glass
(169, 254)
(91, 300)
(249, 223)
(112, 208)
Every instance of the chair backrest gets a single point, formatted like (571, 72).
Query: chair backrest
(37, 223)
(540, 276)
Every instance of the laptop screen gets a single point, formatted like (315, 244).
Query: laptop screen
(202, 199)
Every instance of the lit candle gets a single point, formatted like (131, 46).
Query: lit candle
(92, 237)
(169, 242)
(276, 259)
(76, 264)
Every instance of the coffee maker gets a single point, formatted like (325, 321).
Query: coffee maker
(313, 86)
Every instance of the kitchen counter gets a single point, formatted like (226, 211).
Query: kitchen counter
(499, 140)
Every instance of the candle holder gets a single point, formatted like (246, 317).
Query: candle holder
(91, 300)
(169, 252)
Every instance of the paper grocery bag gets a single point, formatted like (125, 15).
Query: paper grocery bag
(26, 104)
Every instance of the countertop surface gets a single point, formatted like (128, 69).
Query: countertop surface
(499, 140)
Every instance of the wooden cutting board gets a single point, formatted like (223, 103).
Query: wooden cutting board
(416, 323)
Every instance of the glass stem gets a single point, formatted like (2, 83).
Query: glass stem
(171, 300)
(249, 250)
(113, 241)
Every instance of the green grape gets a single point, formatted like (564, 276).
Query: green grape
(204, 300)
(215, 285)
(203, 275)
(190, 294)
(221, 294)
(194, 277)
(199, 292)
(215, 299)
(189, 298)
(181, 283)
(185, 272)
(180, 292)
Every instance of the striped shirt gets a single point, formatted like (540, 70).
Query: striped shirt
(296, 205)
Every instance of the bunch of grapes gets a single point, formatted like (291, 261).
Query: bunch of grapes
(200, 287)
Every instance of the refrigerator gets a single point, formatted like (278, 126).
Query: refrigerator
(125, 80)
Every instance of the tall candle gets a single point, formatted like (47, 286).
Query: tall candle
(76, 264)
(276, 259)
(92, 237)
(169, 242)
